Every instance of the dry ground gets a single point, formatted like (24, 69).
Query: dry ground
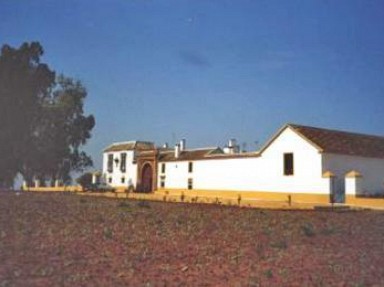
(68, 240)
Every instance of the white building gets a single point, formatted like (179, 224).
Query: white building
(308, 163)
(120, 162)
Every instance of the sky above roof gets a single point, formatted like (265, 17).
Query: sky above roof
(211, 70)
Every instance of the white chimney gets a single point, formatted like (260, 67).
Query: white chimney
(182, 145)
(165, 145)
(231, 148)
(177, 151)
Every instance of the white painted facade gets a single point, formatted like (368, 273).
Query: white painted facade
(261, 171)
(371, 169)
(255, 173)
(118, 177)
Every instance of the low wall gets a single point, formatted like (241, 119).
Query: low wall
(364, 201)
(71, 188)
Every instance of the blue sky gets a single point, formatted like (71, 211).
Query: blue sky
(212, 70)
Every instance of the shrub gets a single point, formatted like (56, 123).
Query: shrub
(308, 230)
(85, 180)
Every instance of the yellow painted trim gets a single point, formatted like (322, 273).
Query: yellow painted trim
(364, 202)
(328, 174)
(120, 188)
(72, 188)
(248, 195)
(353, 174)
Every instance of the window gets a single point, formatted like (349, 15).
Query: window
(123, 161)
(110, 163)
(288, 164)
(123, 179)
(163, 168)
(190, 183)
(162, 181)
(190, 167)
(110, 180)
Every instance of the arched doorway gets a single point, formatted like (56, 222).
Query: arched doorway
(146, 178)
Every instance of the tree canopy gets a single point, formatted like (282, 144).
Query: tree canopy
(43, 125)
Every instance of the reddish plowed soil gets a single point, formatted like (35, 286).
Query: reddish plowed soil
(70, 240)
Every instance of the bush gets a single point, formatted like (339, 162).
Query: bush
(85, 180)
(308, 230)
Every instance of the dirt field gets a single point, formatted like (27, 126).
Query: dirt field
(69, 240)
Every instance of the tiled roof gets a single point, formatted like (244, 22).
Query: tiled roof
(233, 155)
(195, 154)
(131, 145)
(341, 142)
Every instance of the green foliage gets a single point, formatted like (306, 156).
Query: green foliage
(85, 180)
(308, 230)
(24, 84)
(42, 118)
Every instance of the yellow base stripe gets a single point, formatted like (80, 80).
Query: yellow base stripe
(364, 202)
(72, 188)
(249, 196)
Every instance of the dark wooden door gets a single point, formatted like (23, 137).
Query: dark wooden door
(146, 178)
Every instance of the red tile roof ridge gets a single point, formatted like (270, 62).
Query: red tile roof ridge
(297, 126)
(342, 142)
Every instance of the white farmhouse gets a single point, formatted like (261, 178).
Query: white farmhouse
(120, 162)
(300, 162)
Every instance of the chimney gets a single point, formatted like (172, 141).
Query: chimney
(177, 151)
(165, 145)
(182, 145)
(231, 149)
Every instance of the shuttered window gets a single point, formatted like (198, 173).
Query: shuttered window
(288, 164)
(110, 163)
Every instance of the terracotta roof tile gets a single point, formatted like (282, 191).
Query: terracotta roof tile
(132, 145)
(341, 142)
(189, 154)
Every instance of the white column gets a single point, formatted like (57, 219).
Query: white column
(329, 179)
(95, 177)
(353, 183)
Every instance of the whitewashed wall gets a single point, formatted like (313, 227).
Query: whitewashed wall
(264, 173)
(308, 172)
(176, 174)
(130, 173)
(372, 170)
